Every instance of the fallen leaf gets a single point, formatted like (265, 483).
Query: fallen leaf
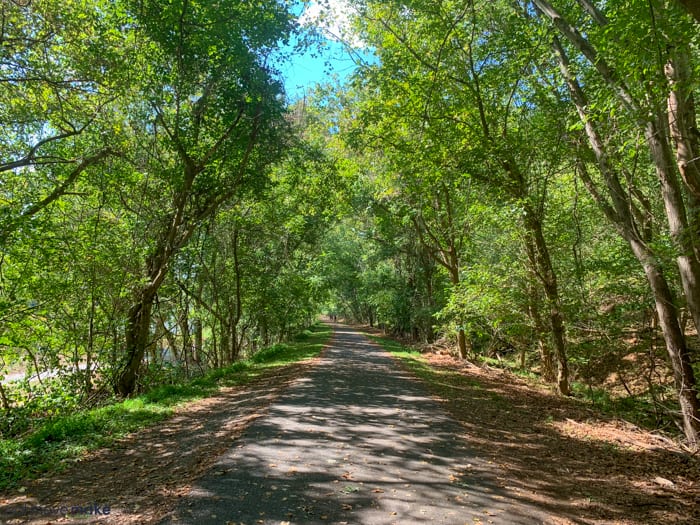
(664, 482)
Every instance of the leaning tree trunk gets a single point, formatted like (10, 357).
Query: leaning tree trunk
(618, 210)
(676, 346)
(138, 326)
(676, 214)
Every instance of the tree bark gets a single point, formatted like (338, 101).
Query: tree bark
(534, 306)
(545, 272)
(688, 265)
(682, 120)
(198, 344)
(618, 211)
(679, 356)
(137, 335)
(4, 400)
(655, 124)
(453, 258)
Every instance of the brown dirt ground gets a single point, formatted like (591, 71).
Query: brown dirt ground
(572, 460)
(557, 452)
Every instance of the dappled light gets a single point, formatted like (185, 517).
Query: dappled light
(503, 195)
(359, 441)
(561, 455)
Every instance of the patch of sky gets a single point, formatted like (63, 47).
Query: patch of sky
(327, 49)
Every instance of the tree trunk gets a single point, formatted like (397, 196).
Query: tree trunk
(618, 211)
(4, 400)
(233, 343)
(547, 276)
(138, 331)
(90, 346)
(453, 258)
(198, 344)
(656, 129)
(184, 323)
(688, 265)
(546, 358)
(676, 347)
(235, 348)
(169, 337)
(462, 344)
(682, 120)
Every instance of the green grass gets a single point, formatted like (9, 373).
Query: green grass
(56, 443)
(635, 409)
(449, 384)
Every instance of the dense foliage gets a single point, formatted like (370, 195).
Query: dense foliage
(517, 180)
(530, 175)
(150, 224)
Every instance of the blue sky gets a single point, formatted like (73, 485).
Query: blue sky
(319, 65)
(331, 59)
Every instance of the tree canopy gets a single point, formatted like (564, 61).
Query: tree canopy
(513, 180)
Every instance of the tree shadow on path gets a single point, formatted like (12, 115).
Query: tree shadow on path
(562, 456)
(358, 440)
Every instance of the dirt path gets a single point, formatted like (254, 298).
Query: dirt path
(353, 438)
(358, 440)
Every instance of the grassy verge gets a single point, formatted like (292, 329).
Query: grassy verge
(68, 438)
(448, 384)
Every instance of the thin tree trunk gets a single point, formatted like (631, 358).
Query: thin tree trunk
(90, 347)
(184, 323)
(547, 276)
(198, 346)
(169, 337)
(3, 398)
(462, 345)
(546, 358)
(235, 350)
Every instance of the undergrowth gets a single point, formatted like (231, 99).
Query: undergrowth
(67, 438)
(639, 410)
